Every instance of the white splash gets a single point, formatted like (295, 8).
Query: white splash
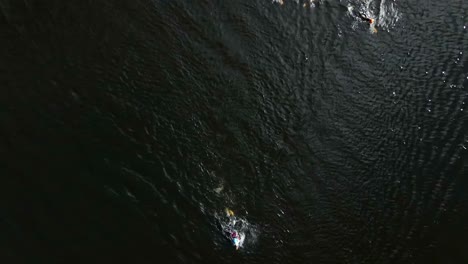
(388, 15)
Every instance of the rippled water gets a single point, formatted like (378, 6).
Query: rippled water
(128, 127)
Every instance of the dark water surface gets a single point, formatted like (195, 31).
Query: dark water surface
(128, 126)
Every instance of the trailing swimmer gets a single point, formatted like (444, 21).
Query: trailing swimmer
(234, 235)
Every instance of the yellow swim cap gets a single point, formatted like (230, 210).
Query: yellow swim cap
(229, 212)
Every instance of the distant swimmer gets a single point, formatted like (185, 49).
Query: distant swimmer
(364, 18)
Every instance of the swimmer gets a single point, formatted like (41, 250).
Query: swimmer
(364, 18)
(234, 235)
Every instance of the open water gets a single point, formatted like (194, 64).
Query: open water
(127, 127)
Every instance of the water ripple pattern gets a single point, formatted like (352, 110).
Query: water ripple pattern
(138, 122)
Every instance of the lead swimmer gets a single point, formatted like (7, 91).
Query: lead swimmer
(364, 18)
